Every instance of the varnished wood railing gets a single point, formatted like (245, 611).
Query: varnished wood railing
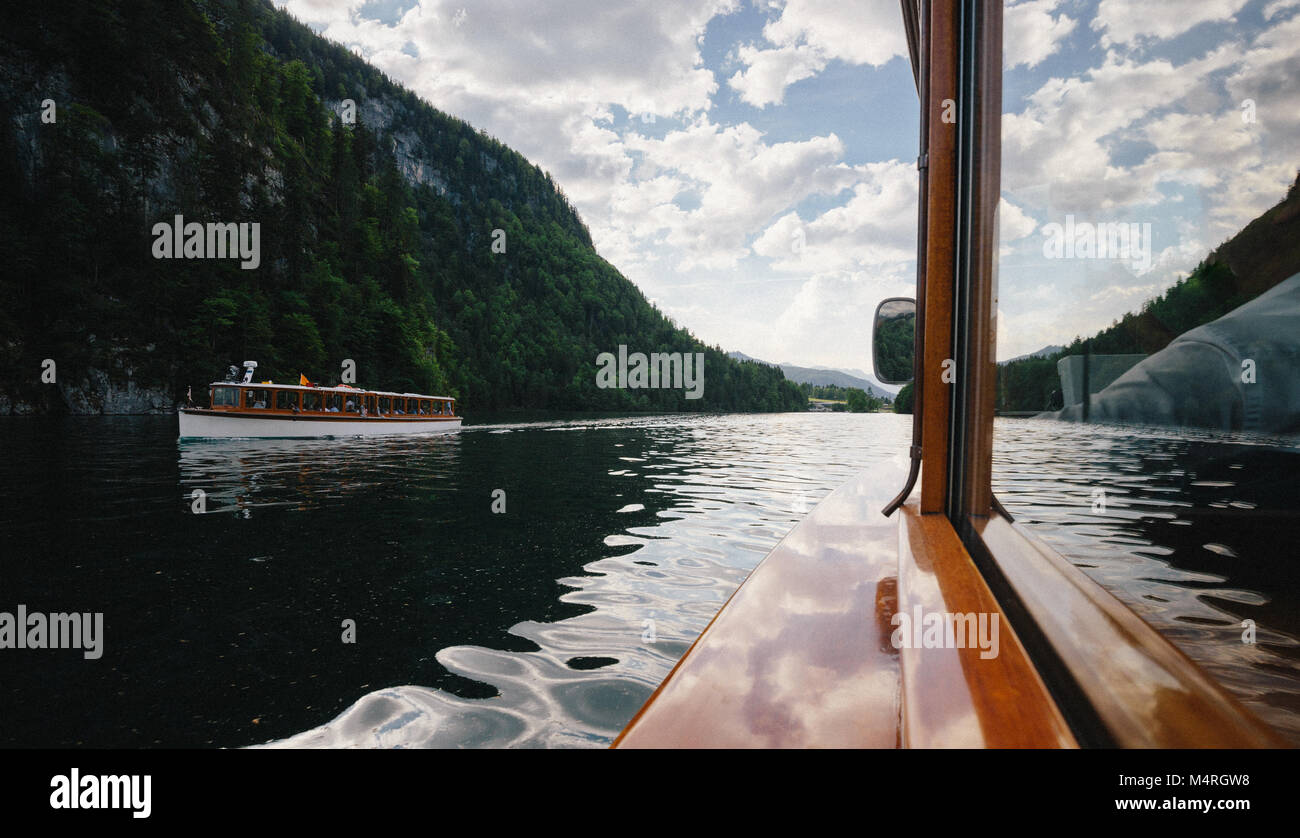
(1145, 692)
(966, 692)
(802, 654)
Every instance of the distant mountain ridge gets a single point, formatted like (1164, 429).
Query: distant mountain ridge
(1042, 353)
(824, 376)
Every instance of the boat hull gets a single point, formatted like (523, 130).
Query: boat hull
(203, 424)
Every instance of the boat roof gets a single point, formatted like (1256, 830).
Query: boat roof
(343, 388)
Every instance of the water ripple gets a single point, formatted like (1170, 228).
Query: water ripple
(1192, 529)
(713, 496)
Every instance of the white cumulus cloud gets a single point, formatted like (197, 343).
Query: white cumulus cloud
(809, 34)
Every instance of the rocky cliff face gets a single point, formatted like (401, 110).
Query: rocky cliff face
(378, 114)
(92, 393)
(96, 393)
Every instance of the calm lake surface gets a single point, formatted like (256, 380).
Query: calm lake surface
(1196, 531)
(551, 623)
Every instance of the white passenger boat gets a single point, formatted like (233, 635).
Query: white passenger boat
(249, 409)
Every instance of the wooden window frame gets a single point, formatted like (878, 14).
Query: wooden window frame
(212, 396)
(246, 389)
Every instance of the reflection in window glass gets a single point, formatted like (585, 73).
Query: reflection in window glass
(1149, 323)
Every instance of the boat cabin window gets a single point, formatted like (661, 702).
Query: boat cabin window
(257, 399)
(333, 402)
(312, 401)
(352, 403)
(225, 397)
(286, 399)
(385, 405)
(399, 407)
(425, 408)
(1147, 390)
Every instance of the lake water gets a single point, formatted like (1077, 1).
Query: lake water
(550, 623)
(1194, 530)
(620, 540)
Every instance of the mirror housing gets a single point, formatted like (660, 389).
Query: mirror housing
(893, 340)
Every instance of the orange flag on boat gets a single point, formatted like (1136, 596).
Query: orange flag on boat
(303, 382)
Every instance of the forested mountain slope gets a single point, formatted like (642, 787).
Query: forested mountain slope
(375, 237)
(1265, 252)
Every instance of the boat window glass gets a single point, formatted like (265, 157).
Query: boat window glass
(312, 401)
(385, 405)
(1148, 395)
(425, 407)
(352, 403)
(286, 399)
(257, 399)
(225, 396)
(333, 402)
(399, 406)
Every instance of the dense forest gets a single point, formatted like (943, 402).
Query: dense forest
(377, 236)
(1264, 253)
(856, 400)
(905, 399)
(894, 345)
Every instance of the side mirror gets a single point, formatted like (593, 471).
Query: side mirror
(893, 340)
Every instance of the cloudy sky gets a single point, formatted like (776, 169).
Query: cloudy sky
(750, 164)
